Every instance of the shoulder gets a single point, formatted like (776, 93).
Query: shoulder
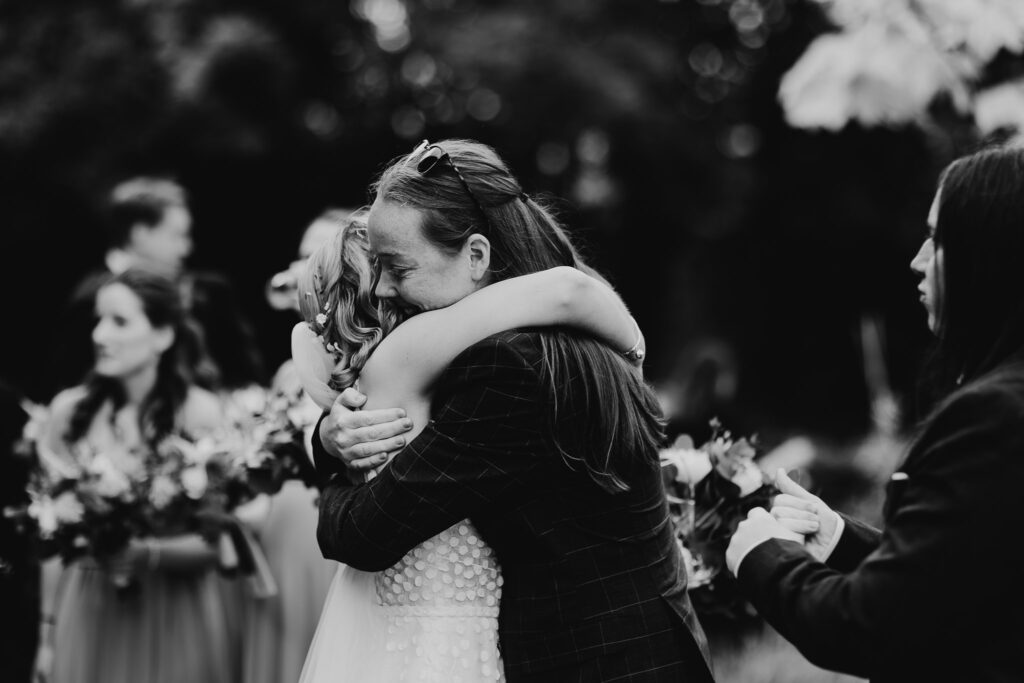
(520, 349)
(201, 412)
(984, 418)
(507, 359)
(995, 397)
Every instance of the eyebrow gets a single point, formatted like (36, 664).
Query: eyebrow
(393, 256)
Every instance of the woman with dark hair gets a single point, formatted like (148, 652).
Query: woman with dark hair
(541, 444)
(936, 595)
(172, 626)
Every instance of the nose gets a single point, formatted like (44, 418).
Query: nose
(925, 254)
(385, 288)
(99, 332)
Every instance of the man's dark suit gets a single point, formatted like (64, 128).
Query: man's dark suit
(594, 585)
(939, 595)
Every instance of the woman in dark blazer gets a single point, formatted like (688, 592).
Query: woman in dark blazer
(938, 595)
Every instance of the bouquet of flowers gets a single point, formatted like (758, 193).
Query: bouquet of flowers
(710, 491)
(92, 503)
(278, 423)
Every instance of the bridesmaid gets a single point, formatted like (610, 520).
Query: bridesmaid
(172, 626)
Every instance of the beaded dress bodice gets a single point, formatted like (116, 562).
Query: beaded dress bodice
(441, 602)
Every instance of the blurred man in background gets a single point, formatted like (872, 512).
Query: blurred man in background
(149, 226)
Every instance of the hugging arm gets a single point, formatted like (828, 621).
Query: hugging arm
(410, 359)
(421, 347)
(474, 455)
(959, 502)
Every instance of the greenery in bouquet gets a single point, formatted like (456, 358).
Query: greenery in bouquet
(278, 422)
(93, 503)
(711, 488)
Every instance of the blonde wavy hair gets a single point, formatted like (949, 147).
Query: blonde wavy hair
(336, 297)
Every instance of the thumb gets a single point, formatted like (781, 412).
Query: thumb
(351, 398)
(756, 513)
(786, 485)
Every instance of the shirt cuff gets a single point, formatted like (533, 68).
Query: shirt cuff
(840, 526)
(739, 560)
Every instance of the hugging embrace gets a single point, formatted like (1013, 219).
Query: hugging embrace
(497, 501)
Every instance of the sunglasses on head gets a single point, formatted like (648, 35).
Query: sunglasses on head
(430, 156)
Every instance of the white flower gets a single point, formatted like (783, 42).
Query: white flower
(38, 417)
(1001, 106)
(692, 465)
(252, 399)
(981, 27)
(68, 509)
(201, 451)
(44, 512)
(162, 491)
(321, 319)
(195, 480)
(304, 414)
(111, 481)
(748, 477)
(876, 74)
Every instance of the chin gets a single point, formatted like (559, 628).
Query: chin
(107, 370)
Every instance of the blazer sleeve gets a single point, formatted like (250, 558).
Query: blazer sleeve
(327, 466)
(959, 501)
(857, 542)
(475, 454)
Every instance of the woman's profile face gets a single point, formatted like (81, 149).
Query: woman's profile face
(928, 264)
(125, 341)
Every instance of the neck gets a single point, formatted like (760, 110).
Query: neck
(138, 385)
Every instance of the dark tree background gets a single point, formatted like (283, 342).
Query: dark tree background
(751, 253)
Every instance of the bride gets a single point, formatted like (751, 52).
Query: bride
(434, 615)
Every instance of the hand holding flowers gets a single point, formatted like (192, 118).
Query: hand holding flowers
(711, 489)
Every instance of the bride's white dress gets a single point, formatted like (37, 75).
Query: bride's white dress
(431, 617)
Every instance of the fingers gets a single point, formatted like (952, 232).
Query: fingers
(756, 513)
(368, 463)
(784, 500)
(378, 431)
(372, 448)
(798, 521)
(788, 486)
(800, 526)
(350, 398)
(782, 512)
(390, 420)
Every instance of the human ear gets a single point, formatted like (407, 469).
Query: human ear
(164, 339)
(478, 248)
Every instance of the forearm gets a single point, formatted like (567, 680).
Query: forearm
(327, 465)
(587, 303)
(812, 606)
(473, 456)
(343, 539)
(856, 541)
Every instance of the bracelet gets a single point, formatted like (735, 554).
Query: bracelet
(635, 354)
(152, 554)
